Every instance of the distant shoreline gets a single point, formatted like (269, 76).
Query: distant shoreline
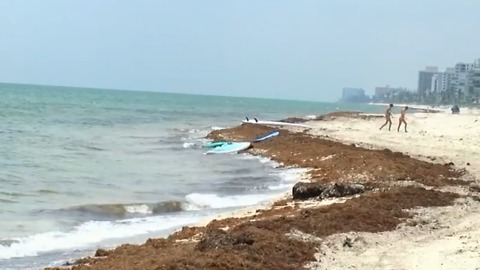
(445, 108)
(421, 107)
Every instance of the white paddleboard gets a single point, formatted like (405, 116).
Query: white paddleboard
(274, 123)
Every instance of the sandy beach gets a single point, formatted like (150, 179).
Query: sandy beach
(375, 199)
(452, 240)
(436, 136)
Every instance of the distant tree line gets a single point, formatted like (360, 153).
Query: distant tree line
(450, 97)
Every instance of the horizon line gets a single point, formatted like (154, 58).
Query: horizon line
(161, 92)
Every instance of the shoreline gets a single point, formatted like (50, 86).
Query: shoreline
(212, 237)
(249, 210)
(419, 107)
(472, 109)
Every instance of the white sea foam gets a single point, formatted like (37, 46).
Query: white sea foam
(195, 138)
(280, 186)
(267, 160)
(292, 174)
(194, 130)
(138, 209)
(215, 201)
(288, 178)
(189, 145)
(90, 233)
(262, 159)
(247, 157)
(196, 135)
(217, 128)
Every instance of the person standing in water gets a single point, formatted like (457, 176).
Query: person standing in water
(388, 117)
(402, 119)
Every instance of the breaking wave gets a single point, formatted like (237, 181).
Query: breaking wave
(124, 210)
(214, 201)
(90, 233)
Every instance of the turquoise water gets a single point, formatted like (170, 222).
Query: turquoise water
(87, 168)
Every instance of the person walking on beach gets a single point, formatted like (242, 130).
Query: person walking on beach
(402, 119)
(388, 117)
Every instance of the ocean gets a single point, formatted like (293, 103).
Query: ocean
(82, 169)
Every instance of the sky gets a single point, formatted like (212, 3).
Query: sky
(297, 49)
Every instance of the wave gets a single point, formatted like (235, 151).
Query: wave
(198, 132)
(261, 159)
(7, 201)
(196, 138)
(214, 201)
(96, 148)
(141, 137)
(81, 147)
(93, 233)
(217, 128)
(288, 178)
(191, 145)
(124, 210)
(47, 191)
(190, 138)
(11, 130)
(15, 194)
(280, 186)
(193, 202)
(292, 174)
(90, 233)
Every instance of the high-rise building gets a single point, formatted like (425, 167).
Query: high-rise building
(476, 64)
(461, 82)
(441, 81)
(473, 82)
(426, 80)
(350, 94)
(460, 78)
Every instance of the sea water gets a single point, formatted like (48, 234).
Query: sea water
(82, 169)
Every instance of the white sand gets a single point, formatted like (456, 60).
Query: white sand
(447, 239)
(444, 108)
(450, 236)
(448, 137)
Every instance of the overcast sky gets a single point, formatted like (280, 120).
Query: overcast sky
(295, 49)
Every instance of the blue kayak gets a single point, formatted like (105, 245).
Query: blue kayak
(267, 136)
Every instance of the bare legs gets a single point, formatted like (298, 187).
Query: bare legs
(389, 121)
(400, 124)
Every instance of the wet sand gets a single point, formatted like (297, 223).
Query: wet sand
(417, 210)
